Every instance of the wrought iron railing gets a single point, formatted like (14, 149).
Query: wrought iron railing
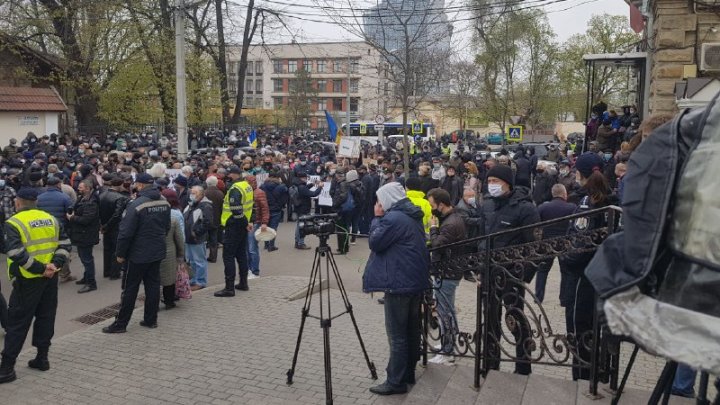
(527, 335)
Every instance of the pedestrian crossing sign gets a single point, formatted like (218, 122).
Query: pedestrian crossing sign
(417, 127)
(363, 129)
(515, 133)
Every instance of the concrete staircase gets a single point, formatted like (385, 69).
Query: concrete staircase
(454, 385)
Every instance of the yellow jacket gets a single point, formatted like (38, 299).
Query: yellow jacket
(418, 198)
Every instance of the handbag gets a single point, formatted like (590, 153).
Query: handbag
(182, 282)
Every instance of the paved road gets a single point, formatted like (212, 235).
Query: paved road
(286, 261)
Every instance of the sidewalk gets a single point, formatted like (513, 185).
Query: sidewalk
(211, 351)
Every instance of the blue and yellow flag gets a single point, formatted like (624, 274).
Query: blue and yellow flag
(253, 138)
(335, 133)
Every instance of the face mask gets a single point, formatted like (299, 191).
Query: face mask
(564, 172)
(2, 183)
(471, 202)
(303, 163)
(332, 171)
(495, 190)
(607, 157)
(436, 165)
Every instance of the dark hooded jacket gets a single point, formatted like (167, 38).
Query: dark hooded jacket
(514, 211)
(399, 260)
(143, 228)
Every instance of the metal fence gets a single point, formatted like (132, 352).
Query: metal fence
(511, 324)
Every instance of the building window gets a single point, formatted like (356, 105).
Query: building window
(337, 86)
(321, 104)
(337, 104)
(320, 66)
(354, 85)
(354, 65)
(292, 85)
(307, 65)
(232, 66)
(248, 86)
(277, 85)
(277, 66)
(277, 102)
(232, 86)
(292, 66)
(387, 88)
(258, 86)
(322, 86)
(337, 66)
(258, 67)
(249, 70)
(354, 104)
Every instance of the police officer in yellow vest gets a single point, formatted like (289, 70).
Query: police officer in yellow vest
(37, 248)
(235, 218)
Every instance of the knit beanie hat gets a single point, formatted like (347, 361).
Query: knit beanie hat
(503, 173)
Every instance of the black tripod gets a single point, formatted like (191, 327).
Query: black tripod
(326, 315)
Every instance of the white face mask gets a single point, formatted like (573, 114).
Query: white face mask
(495, 190)
(471, 202)
(564, 172)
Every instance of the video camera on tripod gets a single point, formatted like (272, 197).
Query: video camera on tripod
(319, 224)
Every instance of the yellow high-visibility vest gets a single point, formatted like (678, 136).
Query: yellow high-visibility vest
(40, 235)
(247, 201)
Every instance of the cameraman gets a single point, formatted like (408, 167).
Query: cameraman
(304, 204)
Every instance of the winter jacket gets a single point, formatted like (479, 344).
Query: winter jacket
(276, 193)
(557, 208)
(454, 186)
(399, 260)
(56, 203)
(304, 196)
(143, 228)
(216, 196)
(543, 188)
(174, 249)
(198, 218)
(513, 211)
(418, 198)
(261, 210)
(85, 224)
(472, 218)
(451, 230)
(112, 207)
(607, 139)
(522, 174)
(427, 183)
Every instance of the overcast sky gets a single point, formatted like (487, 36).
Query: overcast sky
(567, 17)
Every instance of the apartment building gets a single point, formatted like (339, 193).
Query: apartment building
(334, 68)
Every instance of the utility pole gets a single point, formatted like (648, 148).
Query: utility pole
(348, 98)
(181, 97)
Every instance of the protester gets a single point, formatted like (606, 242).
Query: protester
(260, 219)
(277, 196)
(56, 203)
(84, 225)
(397, 245)
(112, 206)
(174, 250)
(197, 220)
(216, 196)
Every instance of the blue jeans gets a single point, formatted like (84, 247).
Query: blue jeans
(402, 325)
(195, 256)
(253, 251)
(299, 239)
(86, 258)
(273, 223)
(684, 383)
(445, 300)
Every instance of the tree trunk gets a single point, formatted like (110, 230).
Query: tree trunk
(221, 63)
(248, 33)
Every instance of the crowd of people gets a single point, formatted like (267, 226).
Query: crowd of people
(156, 210)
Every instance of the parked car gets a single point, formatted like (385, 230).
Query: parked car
(495, 138)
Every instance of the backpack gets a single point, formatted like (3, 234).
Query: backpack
(349, 203)
(294, 194)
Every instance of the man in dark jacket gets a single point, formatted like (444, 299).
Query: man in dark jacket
(453, 184)
(371, 182)
(198, 216)
(304, 206)
(141, 241)
(469, 210)
(446, 226)
(112, 207)
(544, 180)
(557, 208)
(398, 265)
(277, 196)
(356, 187)
(216, 196)
(339, 191)
(56, 203)
(509, 207)
(84, 224)
(524, 168)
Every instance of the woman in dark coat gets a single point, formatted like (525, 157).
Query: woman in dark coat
(174, 249)
(84, 223)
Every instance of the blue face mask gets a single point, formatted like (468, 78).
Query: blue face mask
(607, 157)
(2, 183)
